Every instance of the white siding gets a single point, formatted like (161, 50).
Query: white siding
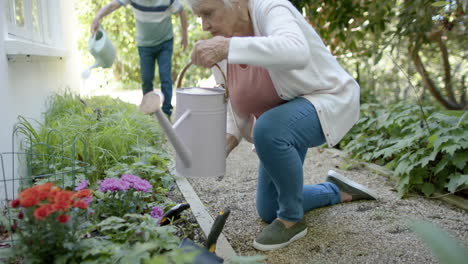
(26, 82)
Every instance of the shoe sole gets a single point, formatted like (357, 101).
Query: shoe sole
(341, 178)
(277, 246)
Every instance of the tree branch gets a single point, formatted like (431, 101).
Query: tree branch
(430, 85)
(447, 69)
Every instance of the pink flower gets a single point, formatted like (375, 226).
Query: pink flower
(137, 183)
(157, 212)
(113, 184)
(82, 185)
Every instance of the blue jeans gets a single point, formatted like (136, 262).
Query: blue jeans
(282, 136)
(163, 54)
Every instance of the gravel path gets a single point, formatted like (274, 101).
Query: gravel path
(356, 232)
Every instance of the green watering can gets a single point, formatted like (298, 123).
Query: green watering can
(100, 46)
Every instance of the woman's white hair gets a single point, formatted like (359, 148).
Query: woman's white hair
(193, 3)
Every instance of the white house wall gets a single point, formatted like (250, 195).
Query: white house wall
(26, 82)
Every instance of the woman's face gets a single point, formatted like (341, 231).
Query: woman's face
(216, 18)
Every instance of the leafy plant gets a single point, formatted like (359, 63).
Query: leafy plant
(133, 238)
(49, 221)
(426, 36)
(118, 197)
(100, 131)
(425, 156)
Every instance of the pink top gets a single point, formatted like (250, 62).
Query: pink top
(251, 90)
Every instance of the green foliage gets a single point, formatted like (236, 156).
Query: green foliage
(131, 239)
(426, 156)
(360, 27)
(101, 131)
(447, 249)
(120, 27)
(363, 33)
(147, 162)
(132, 228)
(119, 203)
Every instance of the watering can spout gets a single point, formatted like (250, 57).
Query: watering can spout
(150, 104)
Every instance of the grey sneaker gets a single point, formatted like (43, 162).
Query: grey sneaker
(356, 190)
(276, 235)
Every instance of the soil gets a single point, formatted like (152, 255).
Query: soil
(355, 232)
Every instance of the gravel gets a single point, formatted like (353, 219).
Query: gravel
(356, 232)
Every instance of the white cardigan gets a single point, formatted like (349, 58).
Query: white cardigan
(299, 64)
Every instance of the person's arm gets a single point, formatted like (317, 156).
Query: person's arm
(183, 22)
(107, 9)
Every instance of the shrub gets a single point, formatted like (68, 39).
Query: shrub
(426, 155)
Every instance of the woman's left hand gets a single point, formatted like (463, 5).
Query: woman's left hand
(211, 51)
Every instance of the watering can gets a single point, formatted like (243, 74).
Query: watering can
(199, 133)
(100, 46)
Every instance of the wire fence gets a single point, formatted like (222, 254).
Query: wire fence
(36, 162)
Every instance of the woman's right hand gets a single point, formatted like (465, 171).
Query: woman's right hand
(231, 143)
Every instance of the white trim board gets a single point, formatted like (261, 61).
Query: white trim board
(223, 248)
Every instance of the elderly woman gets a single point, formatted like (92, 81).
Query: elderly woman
(287, 94)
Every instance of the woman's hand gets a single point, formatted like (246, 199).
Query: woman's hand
(231, 143)
(211, 51)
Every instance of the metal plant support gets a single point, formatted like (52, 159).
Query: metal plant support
(36, 162)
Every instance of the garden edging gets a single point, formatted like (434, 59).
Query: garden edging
(204, 219)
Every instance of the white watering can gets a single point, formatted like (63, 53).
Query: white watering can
(100, 46)
(199, 132)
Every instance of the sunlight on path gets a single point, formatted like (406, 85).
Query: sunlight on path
(90, 88)
(96, 86)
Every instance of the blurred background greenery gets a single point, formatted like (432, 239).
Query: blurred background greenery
(383, 44)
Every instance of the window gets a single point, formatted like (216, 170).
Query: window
(33, 27)
(29, 20)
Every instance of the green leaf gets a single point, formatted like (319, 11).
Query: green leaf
(446, 249)
(404, 167)
(440, 3)
(460, 159)
(456, 181)
(425, 160)
(441, 165)
(417, 179)
(403, 185)
(439, 141)
(432, 139)
(428, 189)
(451, 148)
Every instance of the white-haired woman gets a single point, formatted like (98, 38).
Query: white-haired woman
(287, 94)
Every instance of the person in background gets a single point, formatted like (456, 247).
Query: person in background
(287, 94)
(154, 38)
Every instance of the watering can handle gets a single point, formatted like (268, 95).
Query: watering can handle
(182, 73)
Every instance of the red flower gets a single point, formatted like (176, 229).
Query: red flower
(63, 218)
(29, 197)
(80, 204)
(15, 203)
(43, 190)
(20, 215)
(43, 211)
(83, 193)
(63, 200)
(53, 192)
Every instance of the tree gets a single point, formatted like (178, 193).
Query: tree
(365, 28)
